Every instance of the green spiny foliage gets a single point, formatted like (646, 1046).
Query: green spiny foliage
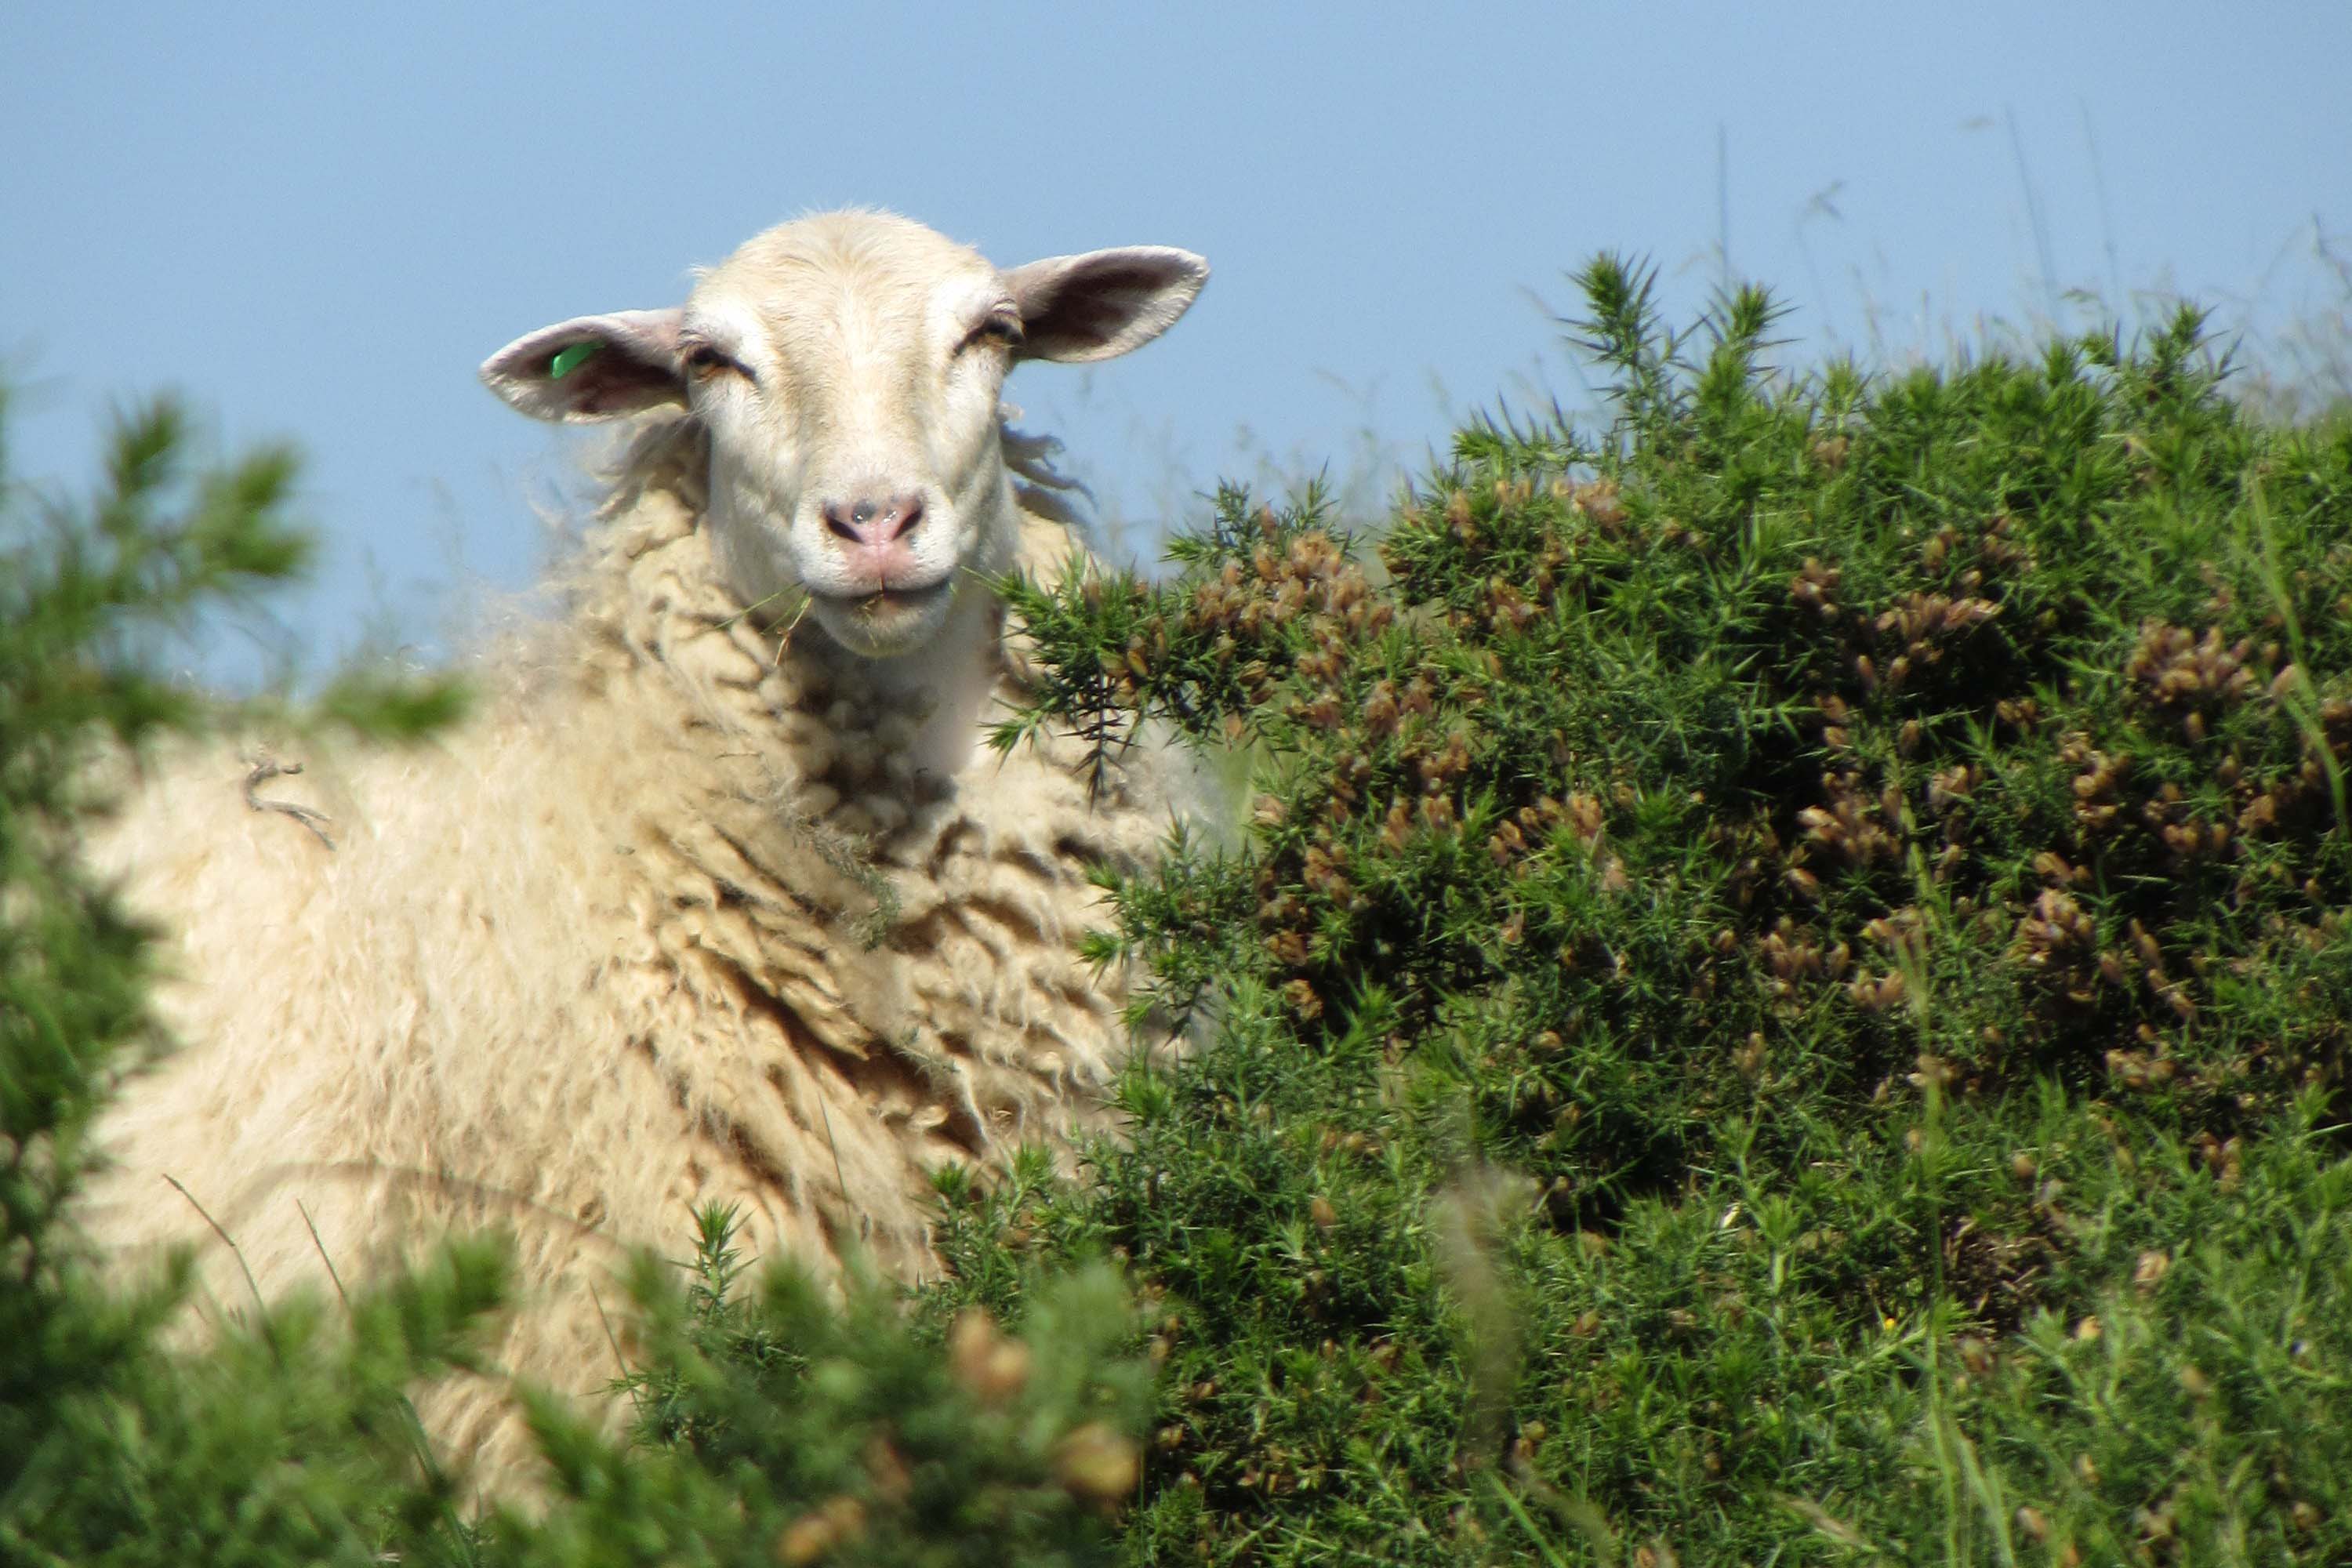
(1784, 994)
(876, 1436)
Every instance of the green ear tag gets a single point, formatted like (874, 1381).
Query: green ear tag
(566, 360)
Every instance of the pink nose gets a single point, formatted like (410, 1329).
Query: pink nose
(872, 522)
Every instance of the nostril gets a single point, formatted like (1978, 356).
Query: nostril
(873, 522)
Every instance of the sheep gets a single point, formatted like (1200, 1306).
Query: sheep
(719, 896)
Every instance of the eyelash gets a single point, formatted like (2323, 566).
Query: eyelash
(1002, 326)
(704, 362)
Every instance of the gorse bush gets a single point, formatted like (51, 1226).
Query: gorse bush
(1785, 990)
(888, 1442)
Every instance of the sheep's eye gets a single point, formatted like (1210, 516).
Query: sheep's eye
(1001, 327)
(703, 362)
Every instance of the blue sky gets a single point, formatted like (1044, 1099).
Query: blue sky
(316, 220)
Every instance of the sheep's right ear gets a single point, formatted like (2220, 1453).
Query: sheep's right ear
(593, 367)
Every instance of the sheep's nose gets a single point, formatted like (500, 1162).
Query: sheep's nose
(872, 521)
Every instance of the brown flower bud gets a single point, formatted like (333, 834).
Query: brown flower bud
(991, 1366)
(1097, 1463)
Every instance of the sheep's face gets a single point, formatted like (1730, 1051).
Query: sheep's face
(850, 389)
(847, 369)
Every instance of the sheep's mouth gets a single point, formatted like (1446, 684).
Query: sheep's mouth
(883, 602)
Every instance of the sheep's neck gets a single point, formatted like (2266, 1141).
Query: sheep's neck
(947, 688)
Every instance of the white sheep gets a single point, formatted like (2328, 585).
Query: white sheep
(719, 895)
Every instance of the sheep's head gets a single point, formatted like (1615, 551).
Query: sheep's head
(847, 369)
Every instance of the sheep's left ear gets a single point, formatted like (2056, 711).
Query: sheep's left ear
(593, 367)
(1101, 304)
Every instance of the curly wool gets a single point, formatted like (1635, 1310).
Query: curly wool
(677, 918)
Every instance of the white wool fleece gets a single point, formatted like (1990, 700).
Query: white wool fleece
(700, 905)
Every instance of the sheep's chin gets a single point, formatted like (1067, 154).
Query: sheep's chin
(884, 625)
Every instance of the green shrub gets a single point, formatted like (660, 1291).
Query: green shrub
(1785, 991)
